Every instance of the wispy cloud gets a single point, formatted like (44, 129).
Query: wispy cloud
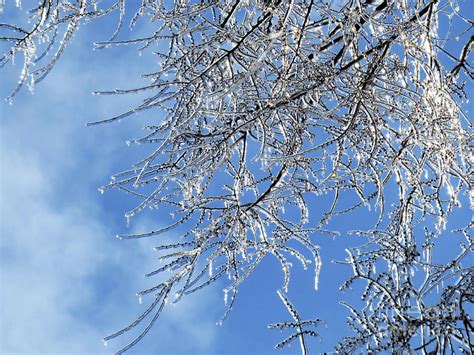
(48, 256)
(59, 275)
(65, 280)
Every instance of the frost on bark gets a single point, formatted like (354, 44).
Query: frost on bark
(266, 102)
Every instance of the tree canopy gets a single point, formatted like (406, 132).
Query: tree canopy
(266, 104)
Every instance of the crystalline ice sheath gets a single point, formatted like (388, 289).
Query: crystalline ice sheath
(266, 104)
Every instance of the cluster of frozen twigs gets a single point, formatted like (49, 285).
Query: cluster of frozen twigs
(297, 324)
(265, 102)
(412, 303)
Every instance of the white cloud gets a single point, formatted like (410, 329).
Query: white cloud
(47, 255)
(65, 280)
(59, 259)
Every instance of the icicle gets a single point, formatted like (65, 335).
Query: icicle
(31, 85)
(450, 191)
(210, 268)
(226, 291)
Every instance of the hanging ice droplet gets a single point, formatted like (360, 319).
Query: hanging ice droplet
(226, 292)
(101, 190)
(31, 85)
(105, 342)
(450, 189)
(140, 299)
(219, 323)
(210, 268)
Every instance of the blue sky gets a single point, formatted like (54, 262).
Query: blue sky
(66, 281)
